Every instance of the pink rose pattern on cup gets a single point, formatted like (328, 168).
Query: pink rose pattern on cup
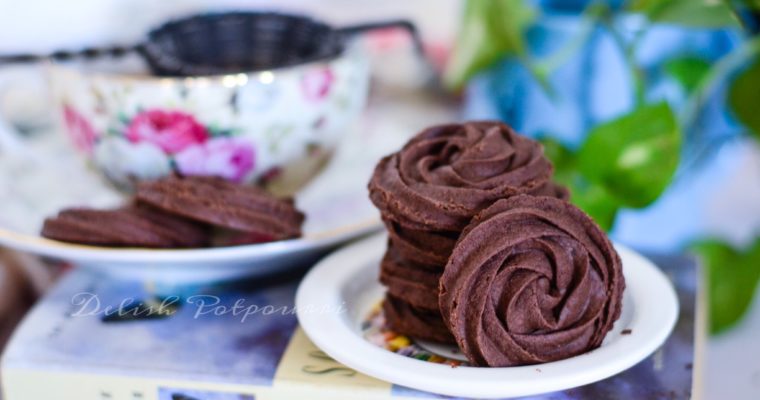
(190, 147)
(227, 157)
(82, 133)
(172, 131)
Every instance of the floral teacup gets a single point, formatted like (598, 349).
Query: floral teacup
(272, 127)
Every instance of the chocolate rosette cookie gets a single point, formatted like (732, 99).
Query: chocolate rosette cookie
(134, 225)
(447, 173)
(552, 189)
(427, 248)
(224, 204)
(411, 282)
(531, 280)
(418, 323)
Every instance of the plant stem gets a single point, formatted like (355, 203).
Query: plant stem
(570, 48)
(720, 69)
(629, 54)
(706, 86)
(539, 74)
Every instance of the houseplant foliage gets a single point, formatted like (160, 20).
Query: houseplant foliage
(630, 160)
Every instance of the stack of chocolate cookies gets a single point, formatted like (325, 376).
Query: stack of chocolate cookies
(182, 212)
(428, 192)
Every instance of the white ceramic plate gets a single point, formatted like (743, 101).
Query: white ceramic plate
(37, 185)
(347, 281)
(43, 175)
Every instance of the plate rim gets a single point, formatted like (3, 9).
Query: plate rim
(332, 335)
(85, 253)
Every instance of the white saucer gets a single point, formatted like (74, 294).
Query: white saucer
(35, 186)
(347, 281)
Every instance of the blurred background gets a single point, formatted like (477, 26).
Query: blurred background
(650, 110)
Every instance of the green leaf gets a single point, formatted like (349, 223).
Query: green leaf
(732, 277)
(688, 71)
(588, 196)
(690, 13)
(593, 199)
(560, 155)
(634, 157)
(744, 97)
(491, 30)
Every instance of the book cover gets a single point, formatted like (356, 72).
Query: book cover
(95, 338)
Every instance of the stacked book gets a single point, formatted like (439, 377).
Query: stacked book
(92, 338)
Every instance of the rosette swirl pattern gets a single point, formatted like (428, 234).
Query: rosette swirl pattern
(531, 280)
(447, 173)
